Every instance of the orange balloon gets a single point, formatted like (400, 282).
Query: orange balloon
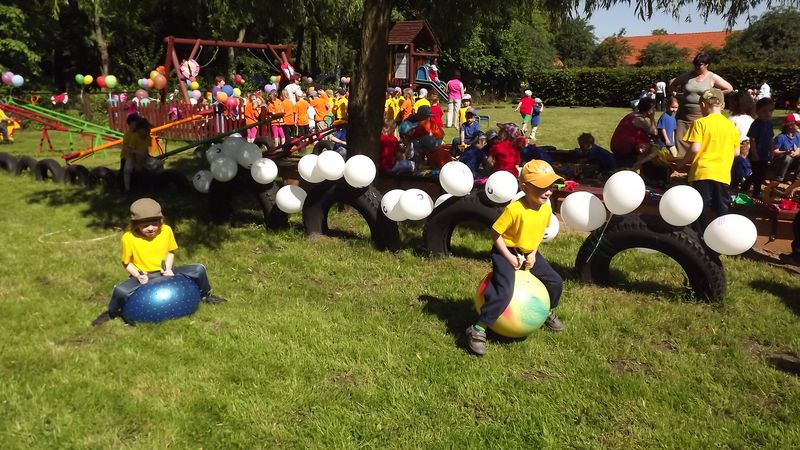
(162, 70)
(150, 83)
(278, 79)
(160, 82)
(222, 97)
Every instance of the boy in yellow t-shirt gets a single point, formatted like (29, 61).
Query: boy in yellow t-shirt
(148, 253)
(714, 142)
(340, 105)
(517, 234)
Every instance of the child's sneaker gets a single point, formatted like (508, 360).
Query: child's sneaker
(476, 340)
(212, 299)
(553, 323)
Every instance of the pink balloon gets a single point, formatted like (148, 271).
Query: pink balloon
(141, 93)
(7, 77)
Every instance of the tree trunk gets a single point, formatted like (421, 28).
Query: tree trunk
(314, 55)
(231, 54)
(369, 80)
(100, 38)
(297, 54)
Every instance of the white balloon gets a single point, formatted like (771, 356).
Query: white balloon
(416, 204)
(501, 187)
(330, 164)
(224, 168)
(202, 181)
(290, 199)
(623, 192)
(442, 198)
(390, 205)
(680, 205)
(307, 167)
(359, 171)
(552, 229)
(232, 145)
(248, 154)
(214, 151)
(264, 171)
(456, 178)
(583, 211)
(731, 234)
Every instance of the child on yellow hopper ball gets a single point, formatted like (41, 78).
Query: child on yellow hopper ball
(147, 253)
(517, 234)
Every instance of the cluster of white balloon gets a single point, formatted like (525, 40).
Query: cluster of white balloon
(359, 171)
(457, 181)
(624, 191)
(226, 158)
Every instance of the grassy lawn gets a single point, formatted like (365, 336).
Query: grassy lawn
(326, 342)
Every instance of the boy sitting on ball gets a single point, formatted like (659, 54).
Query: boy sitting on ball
(517, 234)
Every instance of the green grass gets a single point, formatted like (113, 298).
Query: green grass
(326, 342)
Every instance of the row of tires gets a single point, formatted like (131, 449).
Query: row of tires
(703, 268)
(50, 170)
(704, 271)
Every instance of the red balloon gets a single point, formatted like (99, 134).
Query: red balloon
(101, 81)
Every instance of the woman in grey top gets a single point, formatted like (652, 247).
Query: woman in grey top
(690, 87)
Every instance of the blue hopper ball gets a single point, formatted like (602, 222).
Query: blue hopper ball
(162, 299)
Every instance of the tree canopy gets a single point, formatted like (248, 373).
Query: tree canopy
(769, 39)
(661, 53)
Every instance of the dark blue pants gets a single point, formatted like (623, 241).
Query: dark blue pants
(715, 199)
(757, 178)
(501, 287)
(197, 272)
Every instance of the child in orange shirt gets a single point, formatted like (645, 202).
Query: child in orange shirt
(320, 106)
(301, 110)
(289, 116)
(407, 106)
(275, 106)
(251, 116)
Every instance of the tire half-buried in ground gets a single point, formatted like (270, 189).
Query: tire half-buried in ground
(703, 267)
(384, 233)
(25, 163)
(48, 169)
(221, 196)
(455, 211)
(78, 175)
(8, 162)
(104, 177)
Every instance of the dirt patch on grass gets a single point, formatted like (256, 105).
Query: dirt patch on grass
(215, 325)
(666, 346)
(629, 366)
(755, 348)
(345, 379)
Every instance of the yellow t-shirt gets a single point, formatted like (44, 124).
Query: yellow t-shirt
(340, 108)
(462, 116)
(146, 254)
(390, 108)
(718, 139)
(420, 102)
(523, 227)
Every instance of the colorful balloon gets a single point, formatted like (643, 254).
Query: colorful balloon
(222, 97)
(160, 82)
(87, 80)
(101, 82)
(527, 310)
(17, 80)
(153, 74)
(228, 89)
(8, 76)
(141, 93)
(196, 94)
(194, 85)
(150, 83)
(237, 92)
(78, 78)
(111, 81)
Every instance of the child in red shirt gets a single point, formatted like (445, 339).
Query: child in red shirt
(525, 108)
(390, 147)
(503, 155)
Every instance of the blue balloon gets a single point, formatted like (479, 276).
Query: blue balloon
(162, 299)
(17, 80)
(227, 89)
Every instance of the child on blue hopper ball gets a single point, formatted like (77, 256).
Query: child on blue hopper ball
(517, 234)
(148, 253)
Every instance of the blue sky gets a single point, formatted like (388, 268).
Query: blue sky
(607, 22)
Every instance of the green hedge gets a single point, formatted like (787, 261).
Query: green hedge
(618, 86)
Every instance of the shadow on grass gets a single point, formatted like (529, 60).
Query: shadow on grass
(619, 280)
(107, 208)
(787, 295)
(457, 315)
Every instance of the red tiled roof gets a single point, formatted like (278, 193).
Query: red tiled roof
(406, 32)
(691, 41)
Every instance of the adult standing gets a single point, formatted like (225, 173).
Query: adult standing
(691, 86)
(455, 92)
(661, 94)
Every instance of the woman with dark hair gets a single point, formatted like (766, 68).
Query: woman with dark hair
(455, 91)
(690, 86)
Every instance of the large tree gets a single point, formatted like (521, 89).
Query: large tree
(771, 39)
(574, 41)
(660, 53)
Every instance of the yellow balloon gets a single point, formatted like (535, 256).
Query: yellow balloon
(87, 80)
(154, 74)
(195, 85)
